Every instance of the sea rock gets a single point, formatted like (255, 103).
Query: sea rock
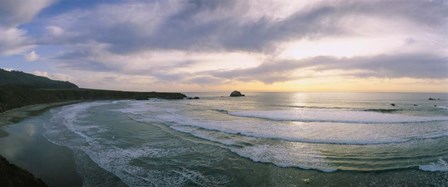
(392, 104)
(193, 98)
(431, 99)
(236, 94)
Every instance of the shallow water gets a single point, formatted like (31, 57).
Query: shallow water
(264, 139)
(26, 147)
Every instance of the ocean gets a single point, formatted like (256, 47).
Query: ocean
(263, 139)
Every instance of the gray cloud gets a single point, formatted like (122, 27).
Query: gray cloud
(13, 41)
(270, 72)
(425, 66)
(205, 80)
(185, 28)
(130, 27)
(421, 66)
(13, 13)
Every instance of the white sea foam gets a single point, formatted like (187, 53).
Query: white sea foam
(70, 127)
(245, 136)
(286, 156)
(443, 107)
(440, 165)
(289, 155)
(208, 135)
(241, 135)
(341, 116)
(314, 132)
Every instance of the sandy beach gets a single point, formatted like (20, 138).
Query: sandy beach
(18, 114)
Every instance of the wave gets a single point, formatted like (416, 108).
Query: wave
(302, 156)
(381, 110)
(248, 147)
(317, 131)
(354, 135)
(291, 144)
(335, 116)
(359, 134)
(443, 107)
(285, 157)
(72, 126)
(440, 165)
(295, 144)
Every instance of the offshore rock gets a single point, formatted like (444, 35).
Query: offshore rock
(236, 94)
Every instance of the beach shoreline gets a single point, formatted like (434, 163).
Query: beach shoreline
(12, 173)
(20, 103)
(18, 114)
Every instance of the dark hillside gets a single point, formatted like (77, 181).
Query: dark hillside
(18, 78)
(14, 97)
(19, 89)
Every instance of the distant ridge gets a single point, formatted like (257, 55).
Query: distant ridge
(22, 79)
(18, 89)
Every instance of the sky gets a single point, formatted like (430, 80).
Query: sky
(223, 45)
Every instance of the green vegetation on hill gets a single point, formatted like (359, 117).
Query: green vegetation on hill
(19, 89)
(18, 78)
(14, 97)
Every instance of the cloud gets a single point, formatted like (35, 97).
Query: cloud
(422, 66)
(54, 76)
(9, 69)
(55, 31)
(31, 56)
(207, 42)
(164, 66)
(41, 73)
(205, 80)
(198, 25)
(13, 41)
(16, 12)
(13, 13)
(189, 25)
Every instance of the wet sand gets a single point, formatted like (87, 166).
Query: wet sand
(18, 114)
(23, 144)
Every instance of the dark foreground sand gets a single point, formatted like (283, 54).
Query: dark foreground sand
(11, 175)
